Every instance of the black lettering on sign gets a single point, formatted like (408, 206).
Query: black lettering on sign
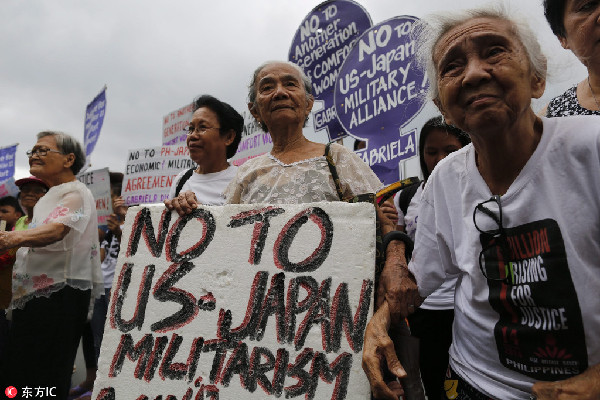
(281, 362)
(296, 370)
(339, 370)
(140, 351)
(164, 291)
(288, 233)
(318, 313)
(159, 347)
(294, 307)
(341, 317)
(142, 226)
(178, 371)
(258, 369)
(274, 303)
(120, 293)
(208, 232)
(248, 326)
(106, 394)
(220, 349)
(237, 364)
(261, 218)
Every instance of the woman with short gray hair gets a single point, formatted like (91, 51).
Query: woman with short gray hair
(515, 216)
(57, 275)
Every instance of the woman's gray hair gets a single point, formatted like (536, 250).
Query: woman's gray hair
(305, 79)
(431, 29)
(252, 87)
(67, 144)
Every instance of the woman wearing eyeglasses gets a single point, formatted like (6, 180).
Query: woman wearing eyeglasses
(516, 215)
(57, 274)
(213, 137)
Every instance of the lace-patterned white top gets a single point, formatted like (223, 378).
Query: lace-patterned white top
(72, 261)
(265, 179)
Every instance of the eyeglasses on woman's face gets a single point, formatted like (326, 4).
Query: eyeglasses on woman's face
(41, 152)
(494, 257)
(190, 130)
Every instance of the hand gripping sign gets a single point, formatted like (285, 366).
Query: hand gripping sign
(380, 89)
(324, 39)
(240, 301)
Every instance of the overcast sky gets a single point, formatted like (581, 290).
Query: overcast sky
(156, 56)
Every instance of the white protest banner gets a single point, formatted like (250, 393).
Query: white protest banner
(98, 181)
(174, 124)
(149, 173)
(240, 302)
(254, 143)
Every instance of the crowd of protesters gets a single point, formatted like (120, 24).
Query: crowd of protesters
(495, 175)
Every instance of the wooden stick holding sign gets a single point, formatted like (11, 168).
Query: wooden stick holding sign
(240, 301)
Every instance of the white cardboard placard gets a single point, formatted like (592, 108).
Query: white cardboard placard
(240, 302)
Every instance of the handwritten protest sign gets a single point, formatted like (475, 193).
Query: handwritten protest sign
(94, 117)
(7, 162)
(150, 172)
(98, 181)
(174, 124)
(322, 42)
(379, 90)
(254, 141)
(240, 301)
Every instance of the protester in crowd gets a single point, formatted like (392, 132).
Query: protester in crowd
(516, 216)
(91, 338)
(432, 322)
(59, 273)
(577, 26)
(10, 212)
(297, 170)
(32, 189)
(213, 137)
(280, 98)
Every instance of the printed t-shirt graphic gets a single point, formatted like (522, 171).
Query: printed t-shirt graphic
(540, 330)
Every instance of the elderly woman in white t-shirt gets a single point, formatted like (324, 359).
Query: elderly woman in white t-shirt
(516, 215)
(58, 273)
(214, 134)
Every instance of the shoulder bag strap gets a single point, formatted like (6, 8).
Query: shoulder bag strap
(334, 174)
(183, 180)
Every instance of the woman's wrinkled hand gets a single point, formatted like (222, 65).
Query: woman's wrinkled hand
(397, 285)
(8, 240)
(378, 350)
(184, 204)
(389, 210)
(585, 386)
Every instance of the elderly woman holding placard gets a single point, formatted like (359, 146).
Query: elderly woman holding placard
(516, 215)
(57, 274)
(300, 171)
(213, 137)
